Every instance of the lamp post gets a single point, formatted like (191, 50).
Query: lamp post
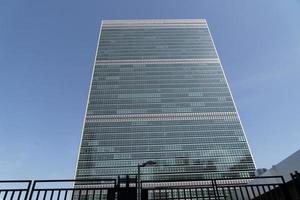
(139, 186)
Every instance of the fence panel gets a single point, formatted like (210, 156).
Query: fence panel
(14, 190)
(263, 188)
(96, 189)
(258, 188)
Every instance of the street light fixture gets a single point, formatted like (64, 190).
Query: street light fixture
(139, 186)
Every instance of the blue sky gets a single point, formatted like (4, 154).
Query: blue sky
(47, 50)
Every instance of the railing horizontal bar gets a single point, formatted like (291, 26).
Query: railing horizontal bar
(74, 180)
(246, 178)
(71, 189)
(13, 190)
(15, 181)
(254, 185)
(175, 188)
(177, 180)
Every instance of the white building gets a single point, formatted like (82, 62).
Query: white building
(285, 167)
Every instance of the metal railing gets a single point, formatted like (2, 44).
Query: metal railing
(263, 188)
(294, 185)
(258, 188)
(87, 189)
(15, 190)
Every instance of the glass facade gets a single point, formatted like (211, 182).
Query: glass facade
(159, 93)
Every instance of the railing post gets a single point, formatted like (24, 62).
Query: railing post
(111, 194)
(28, 190)
(296, 183)
(31, 192)
(285, 189)
(144, 194)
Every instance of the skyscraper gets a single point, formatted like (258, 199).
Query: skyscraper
(158, 92)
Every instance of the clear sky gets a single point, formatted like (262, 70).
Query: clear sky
(47, 50)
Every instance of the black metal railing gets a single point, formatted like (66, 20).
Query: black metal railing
(263, 188)
(258, 188)
(294, 185)
(14, 190)
(88, 189)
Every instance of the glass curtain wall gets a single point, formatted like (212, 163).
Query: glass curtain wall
(159, 93)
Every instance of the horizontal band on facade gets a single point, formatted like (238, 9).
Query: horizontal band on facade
(177, 165)
(208, 172)
(156, 61)
(163, 23)
(164, 117)
(95, 144)
(177, 26)
(153, 21)
(154, 25)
